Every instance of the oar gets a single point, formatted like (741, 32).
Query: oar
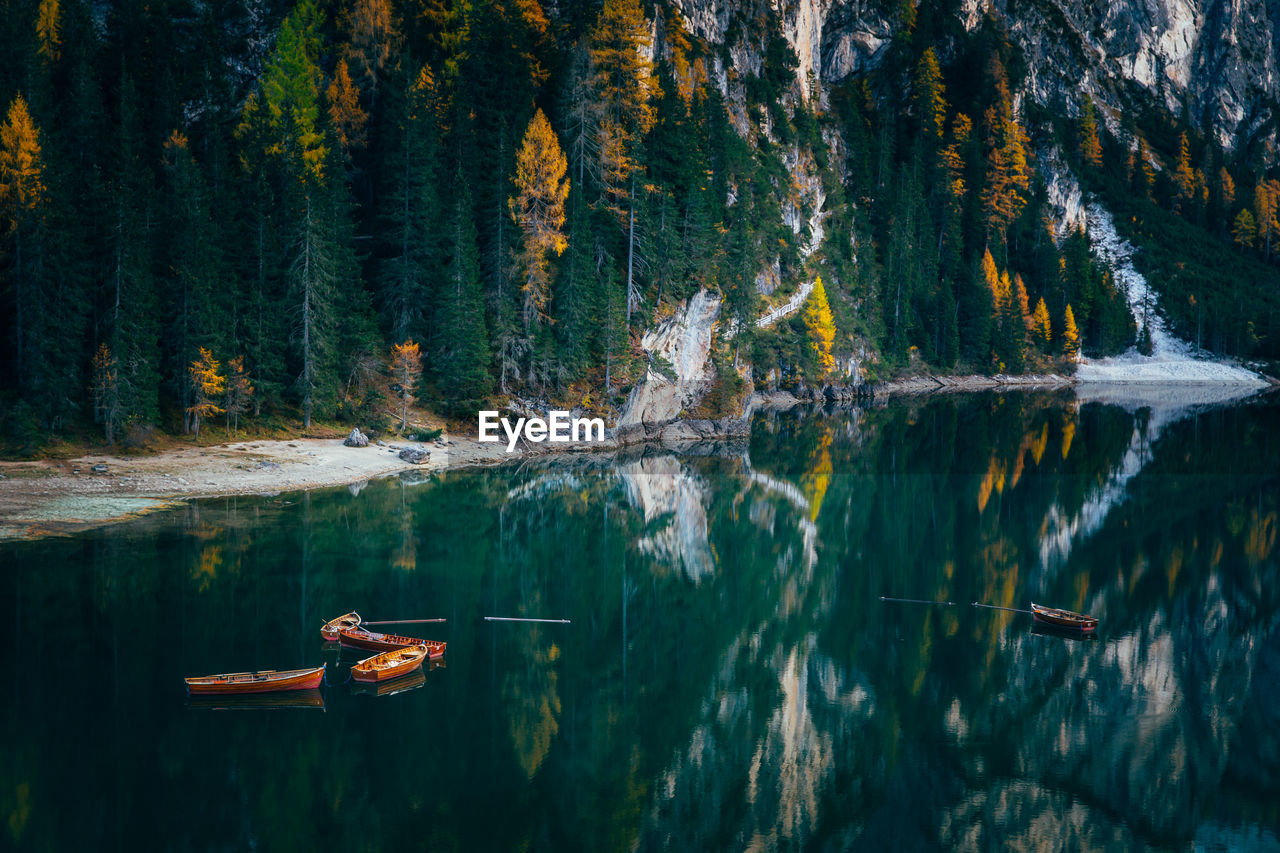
(918, 601)
(1010, 609)
(518, 619)
(404, 621)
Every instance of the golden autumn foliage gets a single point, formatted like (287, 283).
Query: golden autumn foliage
(1266, 210)
(1040, 329)
(21, 169)
(821, 326)
(48, 30)
(929, 95)
(207, 385)
(1244, 230)
(1070, 335)
(1090, 146)
(1008, 166)
(950, 157)
(346, 115)
(1024, 304)
(538, 209)
(406, 367)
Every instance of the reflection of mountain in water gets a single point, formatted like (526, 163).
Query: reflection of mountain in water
(1113, 744)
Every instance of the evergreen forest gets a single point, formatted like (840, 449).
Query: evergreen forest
(244, 212)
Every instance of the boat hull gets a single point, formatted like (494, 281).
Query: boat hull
(389, 665)
(361, 638)
(1063, 620)
(267, 681)
(329, 631)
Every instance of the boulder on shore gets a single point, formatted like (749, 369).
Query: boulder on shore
(415, 456)
(357, 439)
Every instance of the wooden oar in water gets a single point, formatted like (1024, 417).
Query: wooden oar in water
(918, 601)
(518, 619)
(404, 621)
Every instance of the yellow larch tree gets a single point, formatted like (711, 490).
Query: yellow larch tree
(346, 115)
(406, 367)
(951, 158)
(1266, 207)
(1008, 167)
(1244, 231)
(22, 192)
(821, 326)
(1090, 146)
(1024, 304)
(1040, 331)
(1184, 177)
(48, 30)
(538, 209)
(1070, 335)
(929, 96)
(207, 386)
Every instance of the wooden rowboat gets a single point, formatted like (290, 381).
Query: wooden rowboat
(390, 665)
(331, 628)
(363, 638)
(1063, 619)
(266, 681)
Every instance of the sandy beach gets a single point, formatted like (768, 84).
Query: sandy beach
(49, 497)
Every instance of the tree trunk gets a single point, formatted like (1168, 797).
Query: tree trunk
(307, 366)
(631, 250)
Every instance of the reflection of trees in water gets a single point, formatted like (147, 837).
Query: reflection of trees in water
(730, 679)
(1109, 739)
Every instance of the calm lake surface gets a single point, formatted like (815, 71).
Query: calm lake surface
(731, 679)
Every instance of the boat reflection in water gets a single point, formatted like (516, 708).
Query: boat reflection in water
(1046, 630)
(312, 698)
(403, 684)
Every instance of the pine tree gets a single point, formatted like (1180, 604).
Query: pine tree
(1090, 146)
(106, 392)
(1070, 335)
(538, 210)
(462, 341)
(313, 200)
(411, 198)
(207, 386)
(130, 323)
(194, 263)
(821, 326)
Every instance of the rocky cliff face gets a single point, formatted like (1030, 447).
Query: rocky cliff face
(1217, 59)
